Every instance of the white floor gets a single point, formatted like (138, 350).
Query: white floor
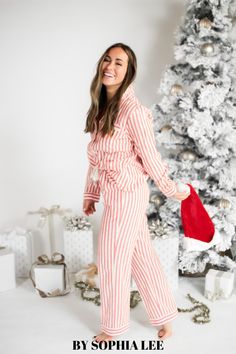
(31, 324)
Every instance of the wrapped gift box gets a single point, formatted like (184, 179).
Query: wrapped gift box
(19, 241)
(167, 251)
(7, 269)
(78, 249)
(49, 277)
(47, 225)
(218, 284)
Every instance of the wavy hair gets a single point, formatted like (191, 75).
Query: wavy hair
(102, 108)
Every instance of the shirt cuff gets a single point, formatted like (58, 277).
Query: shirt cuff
(95, 197)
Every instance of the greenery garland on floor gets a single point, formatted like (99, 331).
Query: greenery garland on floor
(92, 294)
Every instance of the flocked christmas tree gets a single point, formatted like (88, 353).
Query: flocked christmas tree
(194, 125)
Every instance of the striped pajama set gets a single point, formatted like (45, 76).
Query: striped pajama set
(119, 167)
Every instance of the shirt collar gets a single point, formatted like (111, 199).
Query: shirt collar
(129, 92)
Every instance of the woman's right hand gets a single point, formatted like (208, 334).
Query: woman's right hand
(89, 206)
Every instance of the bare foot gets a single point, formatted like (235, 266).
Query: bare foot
(102, 337)
(165, 331)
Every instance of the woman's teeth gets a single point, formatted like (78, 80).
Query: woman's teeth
(108, 75)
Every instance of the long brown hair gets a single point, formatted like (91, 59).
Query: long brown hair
(100, 107)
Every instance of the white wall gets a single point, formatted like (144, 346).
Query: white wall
(49, 51)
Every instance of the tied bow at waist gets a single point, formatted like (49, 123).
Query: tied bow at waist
(94, 174)
(106, 164)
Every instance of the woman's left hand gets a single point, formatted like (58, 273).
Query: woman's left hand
(181, 195)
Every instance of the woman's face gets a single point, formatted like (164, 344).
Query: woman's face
(114, 68)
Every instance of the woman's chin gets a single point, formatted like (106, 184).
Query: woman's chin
(107, 83)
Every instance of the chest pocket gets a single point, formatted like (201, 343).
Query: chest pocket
(118, 142)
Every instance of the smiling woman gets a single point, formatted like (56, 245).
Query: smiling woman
(119, 165)
(114, 70)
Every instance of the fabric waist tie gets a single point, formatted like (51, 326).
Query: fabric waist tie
(94, 174)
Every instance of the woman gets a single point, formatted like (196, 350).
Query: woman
(122, 156)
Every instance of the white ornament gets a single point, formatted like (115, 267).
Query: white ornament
(207, 49)
(205, 23)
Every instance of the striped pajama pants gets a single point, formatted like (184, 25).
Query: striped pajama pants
(125, 248)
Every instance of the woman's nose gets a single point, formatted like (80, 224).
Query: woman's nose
(110, 65)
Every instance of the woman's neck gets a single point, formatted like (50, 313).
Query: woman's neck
(110, 92)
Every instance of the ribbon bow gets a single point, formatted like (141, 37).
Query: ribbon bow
(158, 229)
(74, 223)
(57, 258)
(44, 213)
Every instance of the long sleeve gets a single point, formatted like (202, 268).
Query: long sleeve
(92, 189)
(140, 128)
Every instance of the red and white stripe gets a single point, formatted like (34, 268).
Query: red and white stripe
(124, 162)
(124, 158)
(124, 248)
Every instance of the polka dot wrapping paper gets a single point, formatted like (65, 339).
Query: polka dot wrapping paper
(78, 249)
(20, 242)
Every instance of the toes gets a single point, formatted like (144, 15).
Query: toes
(101, 337)
(161, 333)
(164, 334)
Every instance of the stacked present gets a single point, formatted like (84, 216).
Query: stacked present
(49, 276)
(20, 247)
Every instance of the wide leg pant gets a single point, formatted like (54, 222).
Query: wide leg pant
(124, 248)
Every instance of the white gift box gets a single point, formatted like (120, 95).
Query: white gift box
(218, 284)
(48, 225)
(19, 241)
(167, 251)
(41, 234)
(7, 270)
(49, 277)
(78, 249)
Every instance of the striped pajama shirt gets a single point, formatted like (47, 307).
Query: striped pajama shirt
(119, 167)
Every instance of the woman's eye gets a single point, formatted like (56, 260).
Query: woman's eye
(118, 64)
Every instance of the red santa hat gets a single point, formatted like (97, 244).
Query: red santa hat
(195, 220)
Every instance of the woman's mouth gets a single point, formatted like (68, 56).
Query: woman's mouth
(108, 75)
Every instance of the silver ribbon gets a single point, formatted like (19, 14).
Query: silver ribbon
(157, 229)
(45, 213)
(75, 223)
